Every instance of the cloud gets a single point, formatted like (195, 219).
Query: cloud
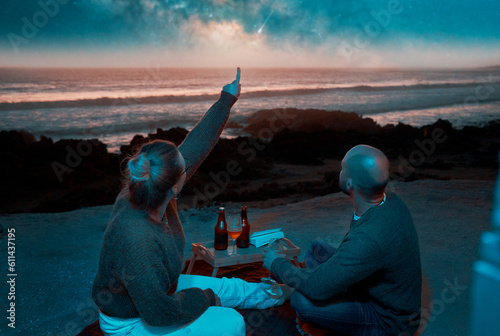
(223, 42)
(226, 43)
(225, 34)
(261, 32)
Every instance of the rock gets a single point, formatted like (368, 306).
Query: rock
(48, 176)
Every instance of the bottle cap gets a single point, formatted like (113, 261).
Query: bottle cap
(221, 208)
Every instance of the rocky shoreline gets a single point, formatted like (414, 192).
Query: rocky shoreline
(290, 155)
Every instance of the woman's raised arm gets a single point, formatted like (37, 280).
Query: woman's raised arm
(203, 137)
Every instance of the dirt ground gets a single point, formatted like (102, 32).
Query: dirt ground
(57, 254)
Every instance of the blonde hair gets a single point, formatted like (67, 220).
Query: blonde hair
(139, 168)
(151, 172)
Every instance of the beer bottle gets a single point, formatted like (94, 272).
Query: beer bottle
(220, 237)
(244, 239)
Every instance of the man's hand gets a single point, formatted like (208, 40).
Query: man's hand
(271, 255)
(234, 88)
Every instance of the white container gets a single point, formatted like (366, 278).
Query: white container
(261, 238)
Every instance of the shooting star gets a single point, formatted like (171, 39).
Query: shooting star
(262, 27)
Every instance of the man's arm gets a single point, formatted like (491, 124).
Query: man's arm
(356, 258)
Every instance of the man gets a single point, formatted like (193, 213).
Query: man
(370, 284)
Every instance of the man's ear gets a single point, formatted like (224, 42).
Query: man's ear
(171, 192)
(349, 184)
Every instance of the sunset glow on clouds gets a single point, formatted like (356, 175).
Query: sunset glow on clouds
(223, 33)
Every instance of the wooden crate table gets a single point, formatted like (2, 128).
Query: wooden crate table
(205, 251)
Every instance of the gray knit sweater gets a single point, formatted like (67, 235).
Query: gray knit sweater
(141, 260)
(378, 260)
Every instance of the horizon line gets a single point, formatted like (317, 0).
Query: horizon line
(440, 67)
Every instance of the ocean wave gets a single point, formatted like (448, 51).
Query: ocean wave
(165, 99)
(132, 126)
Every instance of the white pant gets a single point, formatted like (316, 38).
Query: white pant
(216, 321)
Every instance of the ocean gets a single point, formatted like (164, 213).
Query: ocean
(115, 104)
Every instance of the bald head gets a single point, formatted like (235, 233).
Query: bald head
(365, 168)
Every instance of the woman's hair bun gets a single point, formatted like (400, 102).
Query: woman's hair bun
(140, 168)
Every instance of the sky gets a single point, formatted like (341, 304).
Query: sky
(266, 33)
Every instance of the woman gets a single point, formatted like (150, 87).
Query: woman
(139, 288)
